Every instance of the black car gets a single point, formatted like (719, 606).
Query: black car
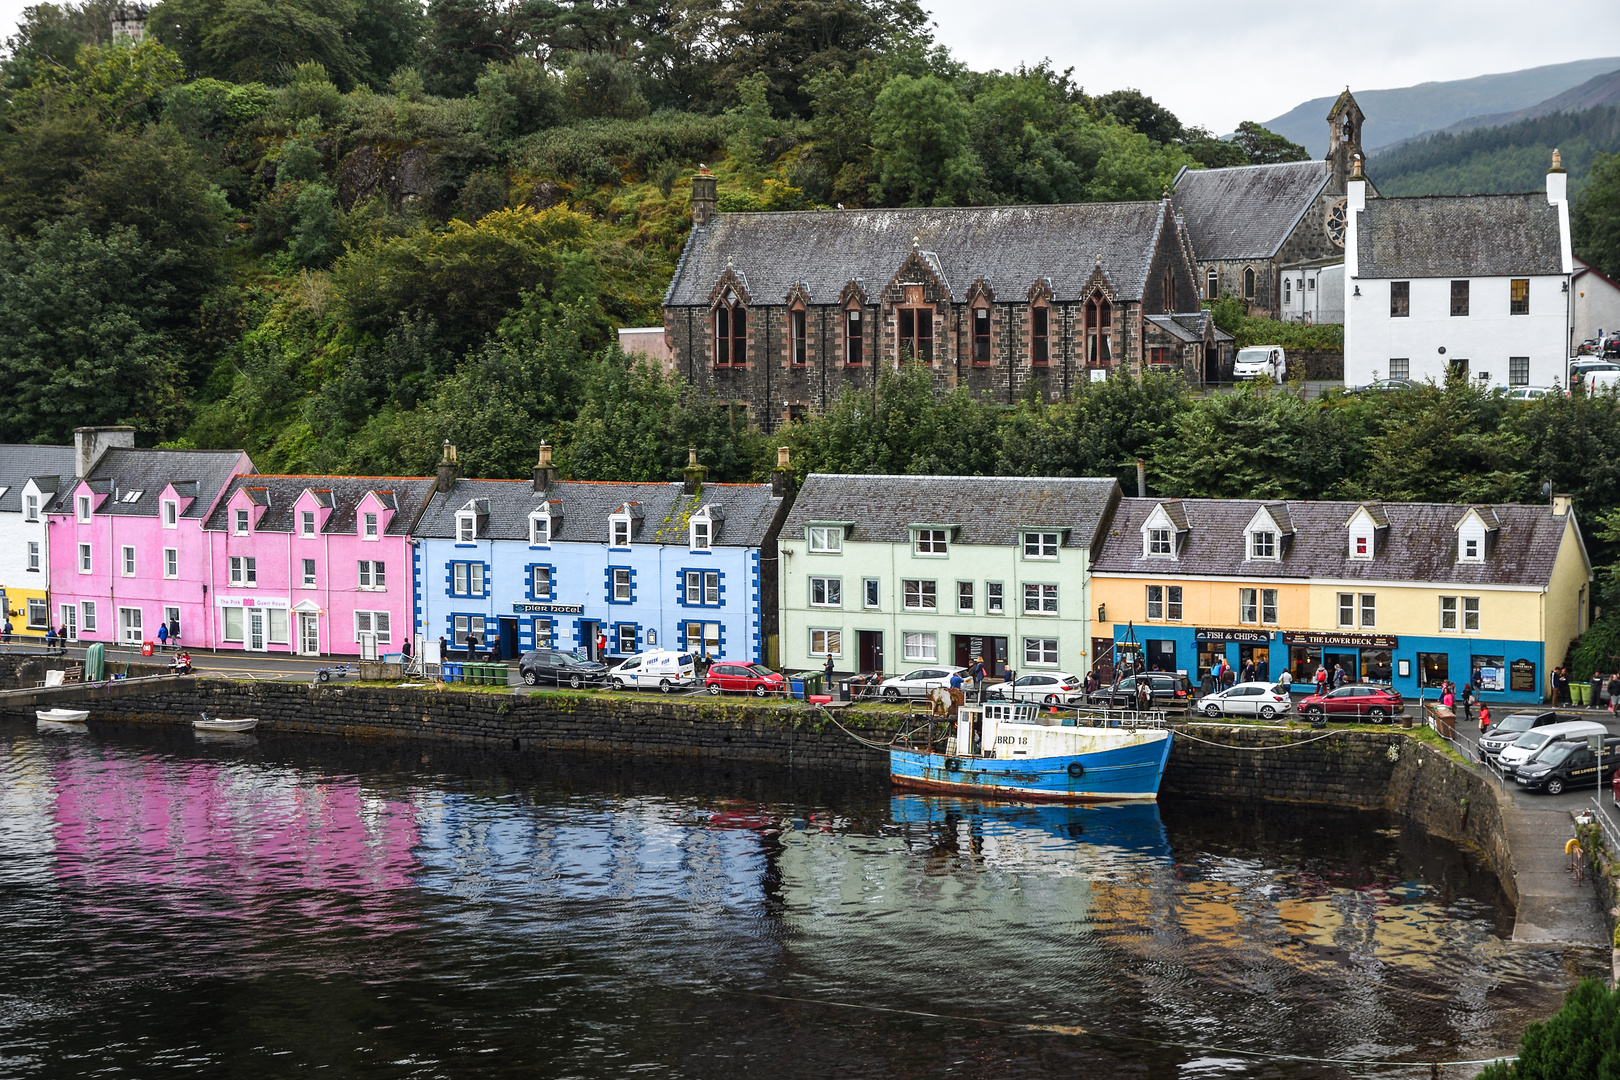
(554, 666)
(1567, 763)
(1171, 689)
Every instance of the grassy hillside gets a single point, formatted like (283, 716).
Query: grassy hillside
(1498, 159)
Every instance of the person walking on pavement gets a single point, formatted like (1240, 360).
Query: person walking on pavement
(1614, 690)
(1262, 669)
(1285, 680)
(601, 645)
(162, 635)
(5, 631)
(1560, 686)
(1321, 679)
(1484, 718)
(1248, 671)
(1465, 698)
(1597, 689)
(976, 670)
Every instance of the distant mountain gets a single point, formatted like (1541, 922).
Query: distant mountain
(1602, 90)
(1507, 157)
(1399, 114)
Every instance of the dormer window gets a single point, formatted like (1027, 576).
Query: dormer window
(539, 530)
(1159, 543)
(84, 508)
(702, 533)
(241, 522)
(370, 531)
(1262, 544)
(1470, 552)
(1473, 532)
(1361, 546)
(929, 542)
(621, 532)
(31, 507)
(466, 528)
(306, 523)
(171, 513)
(827, 539)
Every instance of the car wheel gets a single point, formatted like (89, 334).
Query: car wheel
(576, 681)
(618, 683)
(714, 688)
(1377, 714)
(760, 691)
(891, 693)
(664, 685)
(530, 678)
(1313, 710)
(1212, 710)
(1051, 699)
(1555, 787)
(1267, 712)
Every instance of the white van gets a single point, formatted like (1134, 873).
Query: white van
(665, 670)
(1525, 746)
(1267, 362)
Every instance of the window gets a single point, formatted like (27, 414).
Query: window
(1519, 296)
(964, 597)
(129, 625)
(993, 598)
(372, 574)
(171, 514)
(171, 562)
(466, 528)
(309, 573)
(1400, 367)
(827, 539)
(38, 613)
(1041, 652)
(730, 332)
(1268, 607)
(542, 634)
(981, 337)
(869, 593)
(1262, 545)
(1470, 549)
(1172, 603)
(622, 593)
(917, 334)
(1369, 611)
(1450, 606)
(1212, 285)
(919, 595)
(1400, 301)
(241, 522)
(466, 579)
(1448, 613)
(306, 523)
(824, 591)
(1043, 545)
(1040, 599)
(1169, 289)
(796, 325)
(929, 542)
(1459, 298)
(1361, 546)
(1039, 337)
(627, 638)
(1155, 601)
(1248, 605)
(1158, 542)
(1099, 335)
(703, 587)
(129, 561)
(1248, 283)
(539, 530)
(371, 527)
(700, 533)
(89, 612)
(826, 643)
(540, 583)
(621, 532)
(84, 558)
(1518, 371)
(84, 508)
(1288, 290)
(921, 646)
(1470, 606)
(373, 622)
(244, 571)
(462, 625)
(852, 340)
(31, 508)
(33, 555)
(1347, 609)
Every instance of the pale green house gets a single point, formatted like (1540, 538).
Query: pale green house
(891, 573)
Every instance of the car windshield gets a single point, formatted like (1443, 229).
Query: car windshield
(1531, 740)
(568, 659)
(757, 670)
(1556, 754)
(1516, 722)
(1254, 355)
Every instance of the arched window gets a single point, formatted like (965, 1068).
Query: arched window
(1212, 285)
(730, 332)
(852, 335)
(1248, 283)
(1169, 289)
(799, 342)
(1099, 332)
(916, 333)
(1040, 333)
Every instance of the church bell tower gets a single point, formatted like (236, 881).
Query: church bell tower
(1344, 138)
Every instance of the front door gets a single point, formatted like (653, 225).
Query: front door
(588, 629)
(309, 633)
(255, 640)
(992, 650)
(1212, 364)
(70, 619)
(509, 638)
(871, 651)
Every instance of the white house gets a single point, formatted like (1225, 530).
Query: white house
(1313, 292)
(1597, 302)
(1476, 285)
(29, 476)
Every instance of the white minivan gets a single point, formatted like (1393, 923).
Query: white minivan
(1520, 750)
(665, 670)
(1267, 362)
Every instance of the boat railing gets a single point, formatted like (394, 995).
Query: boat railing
(924, 733)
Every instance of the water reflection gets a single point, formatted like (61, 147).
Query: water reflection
(270, 906)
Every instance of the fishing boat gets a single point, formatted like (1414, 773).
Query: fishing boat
(1012, 751)
(206, 724)
(62, 716)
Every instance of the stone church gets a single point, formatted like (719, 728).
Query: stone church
(1249, 222)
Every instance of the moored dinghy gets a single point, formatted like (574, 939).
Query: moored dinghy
(206, 724)
(72, 717)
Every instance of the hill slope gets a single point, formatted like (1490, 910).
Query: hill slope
(1397, 114)
(1602, 90)
(1511, 157)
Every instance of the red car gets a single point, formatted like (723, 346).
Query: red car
(745, 679)
(1376, 703)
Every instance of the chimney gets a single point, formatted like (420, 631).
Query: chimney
(89, 443)
(448, 470)
(1141, 479)
(694, 472)
(782, 475)
(1557, 181)
(1562, 504)
(705, 198)
(545, 473)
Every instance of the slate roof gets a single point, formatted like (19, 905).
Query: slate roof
(123, 470)
(1009, 246)
(343, 494)
(1458, 236)
(586, 507)
(1420, 544)
(18, 463)
(989, 509)
(1247, 211)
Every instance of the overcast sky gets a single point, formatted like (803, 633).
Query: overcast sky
(1218, 64)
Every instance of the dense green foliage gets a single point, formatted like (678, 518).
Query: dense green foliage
(1513, 157)
(1595, 217)
(1232, 315)
(1581, 1039)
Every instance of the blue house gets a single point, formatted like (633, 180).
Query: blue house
(563, 564)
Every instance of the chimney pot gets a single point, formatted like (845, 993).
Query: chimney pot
(782, 475)
(782, 457)
(695, 473)
(1562, 504)
(545, 473)
(448, 470)
(1141, 479)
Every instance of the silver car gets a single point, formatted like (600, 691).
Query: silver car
(1268, 701)
(915, 684)
(1046, 687)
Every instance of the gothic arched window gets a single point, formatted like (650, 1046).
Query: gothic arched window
(1099, 331)
(1248, 283)
(730, 331)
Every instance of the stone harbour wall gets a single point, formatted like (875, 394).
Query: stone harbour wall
(22, 671)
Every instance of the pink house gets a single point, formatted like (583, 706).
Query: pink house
(127, 549)
(313, 565)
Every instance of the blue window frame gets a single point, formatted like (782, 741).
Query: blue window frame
(620, 584)
(700, 588)
(626, 638)
(466, 579)
(541, 633)
(542, 581)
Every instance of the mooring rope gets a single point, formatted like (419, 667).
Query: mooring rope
(883, 747)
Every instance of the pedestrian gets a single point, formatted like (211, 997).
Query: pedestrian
(1285, 680)
(50, 637)
(1262, 669)
(1447, 697)
(826, 675)
(472, 647)
(601, 646)
(1484, 718)
(495, 649)
(5, 631)
(61, 638)
(1321, 679)
(1597, 689)
(1339, 676)
(1248, 671)
(1465, 698)
(1560, 686)
(444, 648)
(976, 670)
(405, 649)
(162, 635)
(1614, 689)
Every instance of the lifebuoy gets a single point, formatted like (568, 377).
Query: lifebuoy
(1076, 770)
(953, 765)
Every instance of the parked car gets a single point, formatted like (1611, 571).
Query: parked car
(1567, 764)
(1380, 385)
(914, 684)
(555, 666)
(1265, 700)
(1591, 372)
(1376, 703)
(1046, 687)
(666, 670)
(1170, 690)
(753, 679)
(1506, 730)
(1526, 745)
(1528, 393)
(1267, 362)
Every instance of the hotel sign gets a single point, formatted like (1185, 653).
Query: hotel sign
(1343, 641)
(549, 609)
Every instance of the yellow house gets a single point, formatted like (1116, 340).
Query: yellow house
(1405, 594)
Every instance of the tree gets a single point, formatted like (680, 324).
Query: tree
(245, 41)
(1266, 147)
(388, 34)
(1580, 1039)
(1595, 220)
(464, 35)
(1212, 153)
(517, 99)
(1141, 113)
(924, 156)
(602, 85)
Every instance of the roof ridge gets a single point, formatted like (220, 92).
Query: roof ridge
(976, 208)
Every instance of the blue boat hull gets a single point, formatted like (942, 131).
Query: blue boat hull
(1126, 772)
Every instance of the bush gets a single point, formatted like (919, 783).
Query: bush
(1597, 650)
(599, 150)
(1581, 1039)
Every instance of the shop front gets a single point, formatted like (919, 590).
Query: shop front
(1501, 670)
(1367, 658)
(1195, 651)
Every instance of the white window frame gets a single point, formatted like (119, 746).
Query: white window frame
(373, 575)
(40, 604)
(466, 528)
(171, 514)
(826, 642)
(1249, 606)
(702, 588)
(31, 508)
(702, 533)
(539, 530)
(619, 530)
(1040, 598)
(131, 631)
(380, 625)
(87, 616)
(243, 521)
(1268, 607)
(1450, 621)
(1346, 602)
(1041, 652)
(1172, 603)
(871, 594)
(84, 508)
(1160, 543)
(1470, 615)
(370, 526)
(965, 591)
(995, 598)
(623, 585)
(926, 594)
(86, 559)
(33, 556)
(126, 560)
(171, 563)
(826, 540)
(1045, 545)
(306, 523)
(831, 590)
(309, 572)
(1155, 603)
(930, 543)
(920, 646)
(1263, 545)
(1367, 610)
(534, 582)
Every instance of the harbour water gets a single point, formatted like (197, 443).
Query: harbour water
(259, 907)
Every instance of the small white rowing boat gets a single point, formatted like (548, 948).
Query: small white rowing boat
(205, 724)
(62, 716)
